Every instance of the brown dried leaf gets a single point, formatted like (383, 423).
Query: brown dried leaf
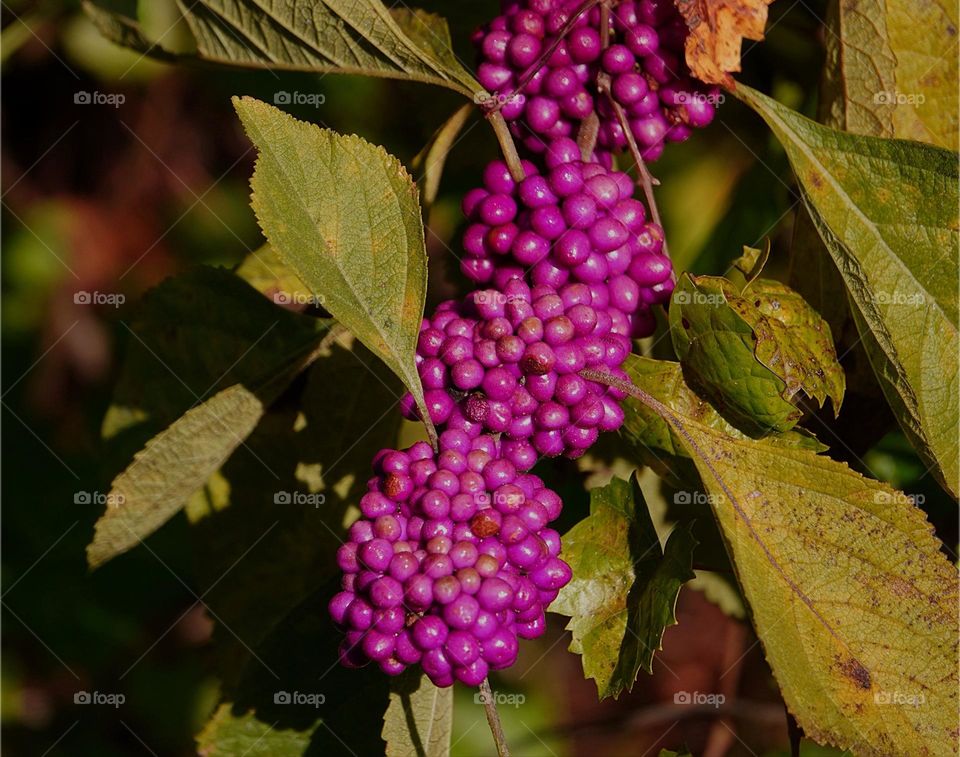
(717, 29)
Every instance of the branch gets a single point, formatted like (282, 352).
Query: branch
(507, 145)
(493, 718)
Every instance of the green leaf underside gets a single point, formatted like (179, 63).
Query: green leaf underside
(624, 587)
(172, 466)
(419, 719)
(333, 36)
(752, 353)
(848, 590)
(344, 215)
(251, 360)
(883, 79)
(887, 211)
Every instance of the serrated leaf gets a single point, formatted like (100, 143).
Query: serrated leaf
(265, 349)
(335, 36)
(657, 442)
(887, 211)
(849, 592)
(419, 719)
(883, 79)
(752, 351)
(344, 215)
(624, 587)
(172, 466)
(432, 158)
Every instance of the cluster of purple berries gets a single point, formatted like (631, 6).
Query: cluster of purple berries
(643, 63)
(451, 562)
(507, 361)
(578, 222)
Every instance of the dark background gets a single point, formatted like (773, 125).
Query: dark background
(112, 200)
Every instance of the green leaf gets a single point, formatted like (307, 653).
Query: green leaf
(419, 719)
(883, 79)
(624, 587)
(656, 441)
(848, 589)
(172, 466)
(432, 158)
(265, 271)
(252, 361)
(887, 211)
(336, 36)
(344, 215)
(751, 349)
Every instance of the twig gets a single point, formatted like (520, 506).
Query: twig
(507, 146)
(587, 136)
(647, 180)
(493, 718)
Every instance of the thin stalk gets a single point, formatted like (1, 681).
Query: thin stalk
(493, 719)
(507, 145)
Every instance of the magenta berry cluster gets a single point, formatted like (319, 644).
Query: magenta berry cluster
(577, 222)
(451, 562)
(548, 97)
(507, 361)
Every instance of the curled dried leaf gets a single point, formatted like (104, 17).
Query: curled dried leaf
(717, 29)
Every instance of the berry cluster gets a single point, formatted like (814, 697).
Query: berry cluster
(512, 357)
(643, 67)
(451, 562)
(578, 222)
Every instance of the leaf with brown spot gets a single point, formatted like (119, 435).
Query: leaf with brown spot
(815, 547)
(717, 29)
